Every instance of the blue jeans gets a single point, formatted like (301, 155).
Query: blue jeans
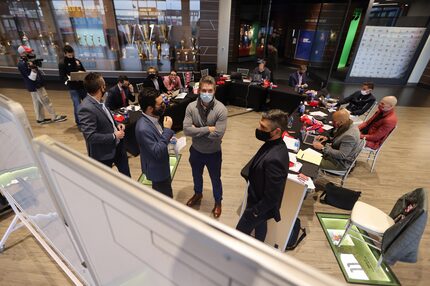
(77, 95)
(212, 162)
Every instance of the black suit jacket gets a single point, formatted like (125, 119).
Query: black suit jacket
(267, 175)
(97, 129)
(114, 99)
(358, 104)
(149, 83)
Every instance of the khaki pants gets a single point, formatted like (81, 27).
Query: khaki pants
(41, 101)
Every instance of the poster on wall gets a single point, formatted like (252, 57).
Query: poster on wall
(304, 45)
(319, 46)
(385, 52)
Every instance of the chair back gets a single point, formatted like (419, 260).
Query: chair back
(370, 111)
(386, 138)
(204, 72)
(243, 72)
(139, 87)
(360, 147)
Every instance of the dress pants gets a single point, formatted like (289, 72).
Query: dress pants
(120, 160)
(164, 187)
(247, 223)
(212, 161)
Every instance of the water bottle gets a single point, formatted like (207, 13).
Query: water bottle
(303, 132)
(290, 122)
(301, 108)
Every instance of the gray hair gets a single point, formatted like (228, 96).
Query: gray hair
(277, 117)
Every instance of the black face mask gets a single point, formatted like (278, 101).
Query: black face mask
(152, 76)
(262, 135)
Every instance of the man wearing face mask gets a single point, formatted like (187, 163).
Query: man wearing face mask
(154, 80)
(360, 101)
(298, 78)
(380, 125)
(119, 95)
(103, 135)
(340, 149)
(76, 88)
(266, 174)
(205, 122)
(153, 140)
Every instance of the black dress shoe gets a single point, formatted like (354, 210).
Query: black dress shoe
(196, 198)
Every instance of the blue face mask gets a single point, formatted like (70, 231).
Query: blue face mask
(206, 97)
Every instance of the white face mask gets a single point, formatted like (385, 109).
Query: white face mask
(365, 92)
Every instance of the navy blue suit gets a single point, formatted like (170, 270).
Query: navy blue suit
(154, 155)
(293, 80)
(98, 132)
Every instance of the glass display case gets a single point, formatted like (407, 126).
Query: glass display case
(128, 35)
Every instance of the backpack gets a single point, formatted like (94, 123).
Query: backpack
(295, 239)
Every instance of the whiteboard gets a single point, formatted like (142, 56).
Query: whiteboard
(20, 178)
(385, 52)
(132, 235)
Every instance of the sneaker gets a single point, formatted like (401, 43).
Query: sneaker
(44, 121)
(60, 118)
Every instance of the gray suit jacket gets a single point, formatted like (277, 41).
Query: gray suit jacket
(345, 147)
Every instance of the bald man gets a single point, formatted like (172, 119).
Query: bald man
(339, 150)
(380, 125)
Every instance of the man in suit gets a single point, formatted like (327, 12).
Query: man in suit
(344, 144)
(267, 175)
(119, 95)
(153, 140)
(299, 77)
(154, 80)
(103, 135)
(360, 101)
(376, 129)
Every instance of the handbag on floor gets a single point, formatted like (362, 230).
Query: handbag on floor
(339, 197)
(295, 239)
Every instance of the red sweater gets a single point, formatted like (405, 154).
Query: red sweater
(379, 130)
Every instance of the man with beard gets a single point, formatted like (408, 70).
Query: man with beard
(153, 140)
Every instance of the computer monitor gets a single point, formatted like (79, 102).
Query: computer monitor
(243, 72)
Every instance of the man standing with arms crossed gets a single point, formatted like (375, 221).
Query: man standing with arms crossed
(205, 122)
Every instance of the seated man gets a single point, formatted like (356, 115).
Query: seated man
(360, 101)
(120, 94)
(377, 128)
(154, 80)
(261, 71)
(172, 81)
(299, 77)
(344, 146)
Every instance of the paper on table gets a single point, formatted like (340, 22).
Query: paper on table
(180, 143)
(182, 95)
(246, 80)
(292, 144)
(310, 155)
(331, 110)
(327, 127)
(308, 183)
(318, 113)
(292, 157)
(296, 168)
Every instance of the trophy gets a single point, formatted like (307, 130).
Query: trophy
(178, 55)
(158, 51)
(92, 40)
(128, 34)
(186, 55)
(193, 43)
(85, 40)
(182, 44)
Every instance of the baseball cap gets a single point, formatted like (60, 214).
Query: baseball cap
(24, 48)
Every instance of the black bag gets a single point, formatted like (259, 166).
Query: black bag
(294, 237)
(339, 197)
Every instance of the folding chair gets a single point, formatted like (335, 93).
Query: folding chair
(375, 152)
(393, 238)
(370, 111)
(344, 173)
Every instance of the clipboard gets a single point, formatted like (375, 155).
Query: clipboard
(78, 76)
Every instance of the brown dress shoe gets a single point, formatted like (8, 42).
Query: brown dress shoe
(196, 198)
(217, 210)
